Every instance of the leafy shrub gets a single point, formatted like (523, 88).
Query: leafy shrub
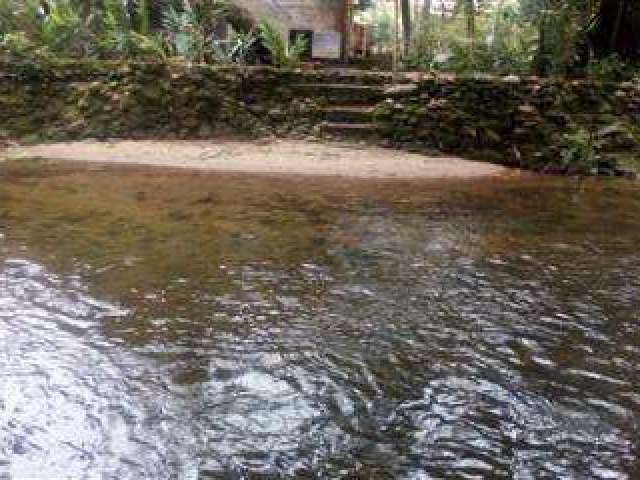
(501, 42)
(612, 68)
(18, 44)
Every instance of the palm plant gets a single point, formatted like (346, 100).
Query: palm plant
(186, 38)
(283, 54)
(56, 26)
(126, 35)
(63, 30)
(191, 29)
(236, 50)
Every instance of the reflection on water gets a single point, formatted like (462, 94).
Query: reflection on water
(156, 324)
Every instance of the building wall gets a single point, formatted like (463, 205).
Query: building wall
(323, 17)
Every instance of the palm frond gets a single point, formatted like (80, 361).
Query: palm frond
(282, 53)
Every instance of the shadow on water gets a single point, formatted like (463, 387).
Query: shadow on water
(165, 324)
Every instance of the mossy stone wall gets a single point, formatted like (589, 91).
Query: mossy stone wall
(148, 100)
(512, 120)
(522, 122)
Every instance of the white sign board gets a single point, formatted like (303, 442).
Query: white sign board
(326, 45)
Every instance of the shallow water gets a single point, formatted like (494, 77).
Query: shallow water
(162, 324)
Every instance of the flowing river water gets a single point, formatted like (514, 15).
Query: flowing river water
(158, 324)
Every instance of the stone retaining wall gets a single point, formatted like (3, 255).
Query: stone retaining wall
(515, 121)
(147, 101)
(507, 120)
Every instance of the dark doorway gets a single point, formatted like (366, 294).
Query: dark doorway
(307, 36)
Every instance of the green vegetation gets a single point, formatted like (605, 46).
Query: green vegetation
(47, 30)
(499, 43)
(79, 68)
(544, 37)
(580, 152)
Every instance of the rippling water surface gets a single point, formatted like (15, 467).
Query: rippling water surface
(159, 325)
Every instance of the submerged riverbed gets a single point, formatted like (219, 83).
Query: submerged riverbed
(165, 324)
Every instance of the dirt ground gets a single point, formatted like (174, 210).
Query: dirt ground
(270, 157)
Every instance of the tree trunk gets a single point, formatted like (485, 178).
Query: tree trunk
(616, 25)
(470, 12)
(143, 14)
(406, 25)
(540, 63)
(344, 25)
(615, 29)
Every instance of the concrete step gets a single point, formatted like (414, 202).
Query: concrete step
(342, 74)
(346, 76)
(348, 113)
(342, 94)
(349, 130)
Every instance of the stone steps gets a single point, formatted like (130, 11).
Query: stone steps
(348, 103)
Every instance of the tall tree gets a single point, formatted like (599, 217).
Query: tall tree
(616, 28)
(470, 15)
(406, 24)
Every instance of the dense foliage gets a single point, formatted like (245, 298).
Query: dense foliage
(135, 29)
(547, 37)
(565, 37)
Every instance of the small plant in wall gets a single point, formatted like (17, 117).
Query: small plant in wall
(591, 150)
(580, 152)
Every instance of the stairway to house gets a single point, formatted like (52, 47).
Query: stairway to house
(348, 100)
